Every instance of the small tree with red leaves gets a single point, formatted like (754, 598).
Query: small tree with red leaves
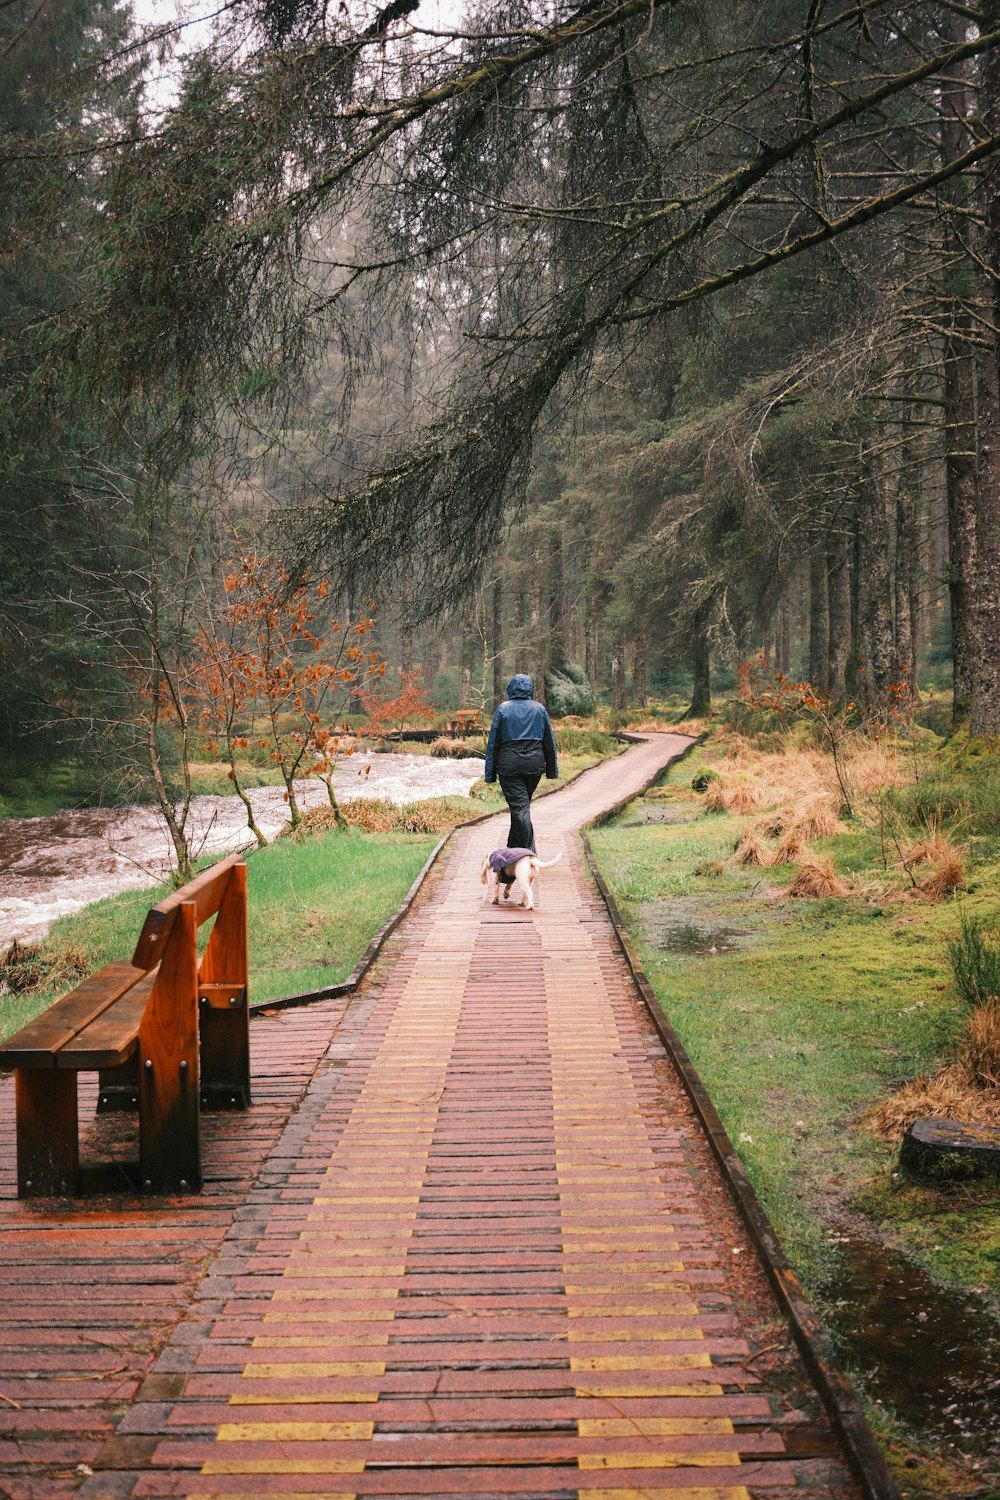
(273, 657)
(391, 715)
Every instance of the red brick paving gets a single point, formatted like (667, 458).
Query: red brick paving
(469, 1241)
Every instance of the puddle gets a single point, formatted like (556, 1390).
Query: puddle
(692, 940)
(930, 1355)
(51, 866)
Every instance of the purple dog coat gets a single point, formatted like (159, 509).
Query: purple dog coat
(501, 858)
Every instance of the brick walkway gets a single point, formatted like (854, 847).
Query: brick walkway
(472, 1243)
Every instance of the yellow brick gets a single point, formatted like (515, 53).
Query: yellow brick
(294, 1432)
(607, 1427)
(284, 1466)
(663, 1361)
(305, 1371)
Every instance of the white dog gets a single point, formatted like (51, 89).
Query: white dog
(525, 872)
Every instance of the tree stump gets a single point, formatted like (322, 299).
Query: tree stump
(950, 1151)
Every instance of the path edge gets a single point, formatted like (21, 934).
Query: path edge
(349, 985)
(866, 1458)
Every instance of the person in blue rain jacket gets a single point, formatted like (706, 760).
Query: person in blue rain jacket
(521, 746)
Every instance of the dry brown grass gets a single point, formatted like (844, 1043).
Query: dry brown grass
(790, 846)
(446, 748)
(27, 966)
(752, 850)
(947, 877)
(740, 752)
(816, 819)
(817, 879)
(712, 867)
(373, 815)
(773, 824)
(715, 797)
(982, 1044)
(924, 851)
(741, 796)
(952, 1094)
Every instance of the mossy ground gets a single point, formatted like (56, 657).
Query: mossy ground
(805, 1015)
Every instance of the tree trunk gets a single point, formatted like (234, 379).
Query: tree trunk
(959, 392)
(783, 636)
(960, 479)
(984, 716)
(556, 653)
(905, 645)
(468, 658)
(701, 691)
(984, 719)
(496, 642)
(877, 667)
(838, 574)
(619, 699)
(640, 658)
(819, 621)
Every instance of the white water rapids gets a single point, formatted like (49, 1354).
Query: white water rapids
(51, 866)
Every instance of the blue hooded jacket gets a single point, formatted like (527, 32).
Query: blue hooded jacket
(522, 721)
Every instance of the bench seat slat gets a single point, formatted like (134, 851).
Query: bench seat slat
(113, 1036)
(38, 1044)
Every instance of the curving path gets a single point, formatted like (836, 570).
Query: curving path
(488, 1253)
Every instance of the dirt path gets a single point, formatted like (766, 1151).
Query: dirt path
(484, 1251)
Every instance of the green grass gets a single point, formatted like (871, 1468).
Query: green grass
(315, 905)
(827, 1007)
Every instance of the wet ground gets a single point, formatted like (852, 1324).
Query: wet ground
(930, 1355)
(693, 939)
(51, 866)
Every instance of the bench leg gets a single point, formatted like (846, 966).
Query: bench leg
(225, 1054)
(48, 1132)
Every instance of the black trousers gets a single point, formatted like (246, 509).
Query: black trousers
(518, 788)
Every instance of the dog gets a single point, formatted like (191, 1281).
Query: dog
(522, 874)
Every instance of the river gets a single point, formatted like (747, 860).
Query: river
(51, 866)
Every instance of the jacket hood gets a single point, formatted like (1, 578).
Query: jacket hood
(520, 686)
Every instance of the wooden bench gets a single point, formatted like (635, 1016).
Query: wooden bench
(465, 718)
(170, 1033)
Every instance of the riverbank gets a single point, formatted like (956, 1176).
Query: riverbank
(801, 1015)
(317, 899)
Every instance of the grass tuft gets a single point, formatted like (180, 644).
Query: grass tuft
(751, 849)
(817, 879)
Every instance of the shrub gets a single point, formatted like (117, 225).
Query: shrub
(576, 739)
(975, 963)
(445, 748)
(699, 782)
(567, 691)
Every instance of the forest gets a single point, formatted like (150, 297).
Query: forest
(618, 344)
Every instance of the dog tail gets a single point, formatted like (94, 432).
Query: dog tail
(543, 864)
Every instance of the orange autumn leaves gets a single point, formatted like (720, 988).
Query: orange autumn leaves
(273, 670)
